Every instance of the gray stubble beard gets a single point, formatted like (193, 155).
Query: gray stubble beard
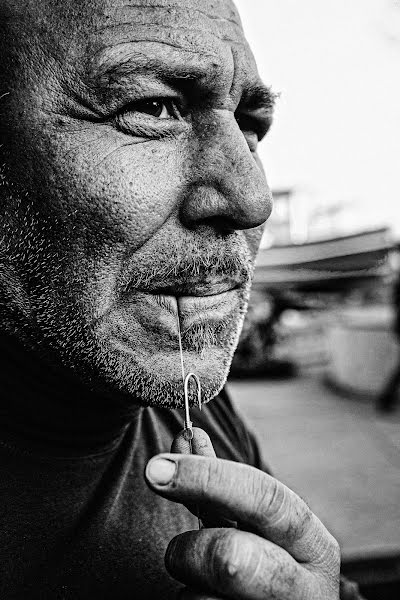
(58, 328)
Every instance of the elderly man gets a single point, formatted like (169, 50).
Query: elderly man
(132, 196)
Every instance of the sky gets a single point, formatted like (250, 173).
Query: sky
(336, 135)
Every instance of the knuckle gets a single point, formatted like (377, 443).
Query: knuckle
(280, 510)
(284, 577)
(329, 554)
(325, 564)
(225, 557)
(303, 517)
(267, 499)
(297, 516)
(211, 474)
(335, 553)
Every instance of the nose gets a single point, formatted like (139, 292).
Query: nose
(228, 189)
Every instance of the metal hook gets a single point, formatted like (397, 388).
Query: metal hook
(188, 423)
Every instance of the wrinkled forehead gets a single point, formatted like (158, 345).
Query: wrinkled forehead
(200, 29)
(114, 19)
(93, 38)
(169, 19)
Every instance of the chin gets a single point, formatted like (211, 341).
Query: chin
(153, 377)
(138, 353)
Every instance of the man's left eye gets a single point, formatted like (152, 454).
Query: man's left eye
(249, 129)
(160, 109)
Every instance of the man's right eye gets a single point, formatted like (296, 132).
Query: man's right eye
(160, 109)
(153, 118)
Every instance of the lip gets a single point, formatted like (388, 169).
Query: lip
(195, 308)
(188, 287)
(156, 310)
(153, 317)
(186, 305)
(190, 295)
(198, 289)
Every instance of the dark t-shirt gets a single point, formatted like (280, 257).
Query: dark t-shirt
(77, 520)
(87, 526)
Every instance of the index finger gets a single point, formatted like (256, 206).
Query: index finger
(200, 444)
(259, 502)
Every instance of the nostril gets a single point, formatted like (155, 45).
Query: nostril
(223, 225)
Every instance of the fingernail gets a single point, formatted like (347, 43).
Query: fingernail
(160, 471)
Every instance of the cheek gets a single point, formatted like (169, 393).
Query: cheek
(97, 186)
(122, 196)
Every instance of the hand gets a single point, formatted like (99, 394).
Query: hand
(280, 551)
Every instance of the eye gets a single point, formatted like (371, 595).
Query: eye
(152, 118)
(160, 109)
(253, 128)
(249, 130)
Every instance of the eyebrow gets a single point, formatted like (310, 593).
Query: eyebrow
(259, 97)
(108, 72)
(255, 96)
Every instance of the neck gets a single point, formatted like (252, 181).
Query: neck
(48, 405)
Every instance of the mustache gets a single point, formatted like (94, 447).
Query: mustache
(179, 265)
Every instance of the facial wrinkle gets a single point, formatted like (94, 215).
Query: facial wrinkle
(234, 71)
(188, 19)
(208, 8)
(173, 17)
(121, 63)
(239, 88)
(211, 17)
(182, 28)
(125, 30)
(165, 36)
(156, 40)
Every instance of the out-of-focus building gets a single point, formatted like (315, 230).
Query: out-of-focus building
(278, 229)
(341, 265)
(330, 295)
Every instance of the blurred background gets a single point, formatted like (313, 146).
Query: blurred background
(317, 370)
